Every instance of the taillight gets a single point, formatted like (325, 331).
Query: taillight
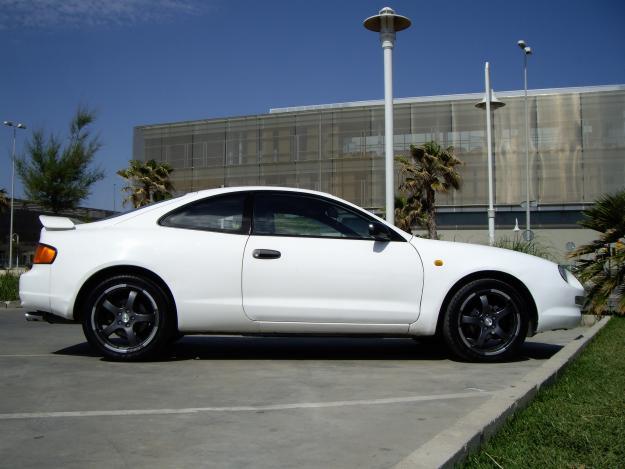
(44, 254)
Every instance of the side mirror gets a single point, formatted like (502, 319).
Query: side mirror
(379, 232)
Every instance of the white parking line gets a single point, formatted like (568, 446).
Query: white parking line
(196, 410)
(25, 355)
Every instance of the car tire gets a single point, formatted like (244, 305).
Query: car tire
(128, 318)
(485, 320)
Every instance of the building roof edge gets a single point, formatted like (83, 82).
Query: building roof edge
(450, 97)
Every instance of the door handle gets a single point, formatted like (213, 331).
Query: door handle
(266, 254)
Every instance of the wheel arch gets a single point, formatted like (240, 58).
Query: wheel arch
(497, 275)
(100, 275)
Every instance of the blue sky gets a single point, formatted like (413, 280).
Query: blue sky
(152, 61)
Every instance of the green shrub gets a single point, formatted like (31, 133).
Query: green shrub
(600, 264)
(528, 247)
(9, 287)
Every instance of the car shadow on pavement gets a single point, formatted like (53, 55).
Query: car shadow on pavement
(310, 348)
(302, 348)
(539, 350)
(79, 350)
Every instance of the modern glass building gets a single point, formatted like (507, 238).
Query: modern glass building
(577, 150)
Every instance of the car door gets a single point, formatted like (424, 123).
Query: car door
(201, 249)
(311, 259)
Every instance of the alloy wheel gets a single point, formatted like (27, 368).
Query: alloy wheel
(125, 318)
(489, 321)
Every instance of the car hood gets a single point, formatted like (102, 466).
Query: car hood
(466, 258)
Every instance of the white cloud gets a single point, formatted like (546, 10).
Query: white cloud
(45, 14)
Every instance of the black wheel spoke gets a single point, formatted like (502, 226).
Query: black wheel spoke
(484, 333)
(143, 317)
(112, 327)
(500, 333)
(130, 303)
(131, 336)
(110, 307)
(485, 304)
(470, 320)
(504, 312)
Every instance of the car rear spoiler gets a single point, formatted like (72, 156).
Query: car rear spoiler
(56, 223)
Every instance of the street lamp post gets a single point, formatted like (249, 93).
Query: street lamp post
(490, 103)
(387, 23)
(526, 51)
(15, 127)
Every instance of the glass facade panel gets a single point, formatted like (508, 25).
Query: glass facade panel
(603, 143)
(468, 139)
(349, 131)
(577, 147)
(559, 149)
(430, 121)
(242, 142)
(276, 139)
(307, 137)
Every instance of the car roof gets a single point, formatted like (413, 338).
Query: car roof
(225, 190)
(158, 209)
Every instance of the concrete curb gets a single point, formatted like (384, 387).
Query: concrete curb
(452, 446)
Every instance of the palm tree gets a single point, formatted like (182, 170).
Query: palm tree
(601, 263)
(408, 213)
(147, 182)
(430, 169)
(4, 201)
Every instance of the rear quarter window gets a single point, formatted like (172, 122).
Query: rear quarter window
(222, 213)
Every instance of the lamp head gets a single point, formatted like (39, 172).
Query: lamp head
(527, 50)
(494, 102)
(522, 44)
(21, 126)
(394, 21)
(8, 123)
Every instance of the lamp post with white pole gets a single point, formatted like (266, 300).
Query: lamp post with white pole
(490, 103)
(387, 23)
(526, 51)
(15, 127)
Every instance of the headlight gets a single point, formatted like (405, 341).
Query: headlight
(569, 278)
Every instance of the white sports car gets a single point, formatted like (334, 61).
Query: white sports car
(266, 260)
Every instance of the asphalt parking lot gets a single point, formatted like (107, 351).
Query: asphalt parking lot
(235, 401)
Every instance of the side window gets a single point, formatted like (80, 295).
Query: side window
(284, 214)
(223, 213)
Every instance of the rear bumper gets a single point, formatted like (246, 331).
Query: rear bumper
(35, 288)
(47, 317)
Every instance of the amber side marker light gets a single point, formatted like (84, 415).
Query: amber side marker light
(44, 254)
(438, 262)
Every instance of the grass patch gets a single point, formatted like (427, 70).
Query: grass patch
(579, 422)
(9, 287)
